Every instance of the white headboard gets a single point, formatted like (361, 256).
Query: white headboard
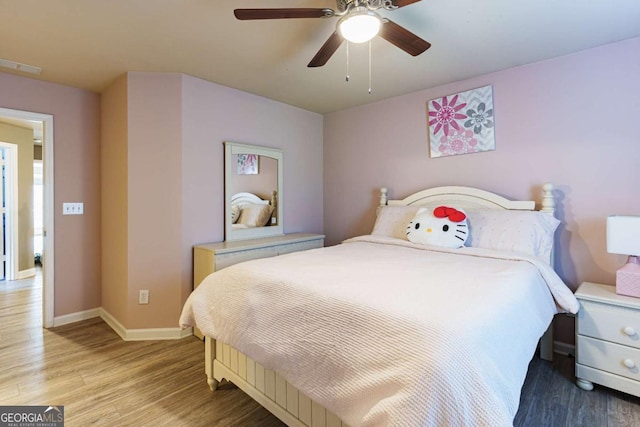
(241, 199)
(468, 197)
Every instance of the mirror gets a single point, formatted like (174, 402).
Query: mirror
(252, 191)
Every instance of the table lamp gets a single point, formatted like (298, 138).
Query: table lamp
(623, 237)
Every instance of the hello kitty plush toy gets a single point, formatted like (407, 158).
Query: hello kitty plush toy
(444, 226)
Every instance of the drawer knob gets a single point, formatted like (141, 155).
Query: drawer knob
(629, 363)
(629, 331)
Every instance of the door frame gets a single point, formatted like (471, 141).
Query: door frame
(11, 213)
(48, 303)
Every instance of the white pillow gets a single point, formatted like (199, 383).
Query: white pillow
(255, 215)
(391, 221)
(235, 213)
(527, 232)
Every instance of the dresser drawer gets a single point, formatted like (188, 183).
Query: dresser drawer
(610, 380)
(608, 322)
(606, 356)
(226, 259)
(300, 246)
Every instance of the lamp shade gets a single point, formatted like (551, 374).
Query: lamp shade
(359, 26)
(623, 235)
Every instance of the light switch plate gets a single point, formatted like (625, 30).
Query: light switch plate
(143, 296)
(72, 208)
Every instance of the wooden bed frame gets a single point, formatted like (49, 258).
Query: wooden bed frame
(291, 405)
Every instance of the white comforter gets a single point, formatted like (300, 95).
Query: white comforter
(383, 332)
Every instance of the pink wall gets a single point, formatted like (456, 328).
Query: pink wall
(164, 132)
(77, 179)
(154, 198)
(571, 121)
(212, 114)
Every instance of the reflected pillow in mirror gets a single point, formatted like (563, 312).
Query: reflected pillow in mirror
(235, 213)
(254, 215)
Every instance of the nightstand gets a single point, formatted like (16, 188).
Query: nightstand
(607, 339)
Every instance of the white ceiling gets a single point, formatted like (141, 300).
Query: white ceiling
(88, 43)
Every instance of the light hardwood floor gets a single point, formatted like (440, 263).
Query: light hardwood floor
(104, 381)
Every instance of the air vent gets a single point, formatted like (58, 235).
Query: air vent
(20, 67)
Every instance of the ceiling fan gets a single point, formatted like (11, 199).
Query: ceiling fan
(358, 23)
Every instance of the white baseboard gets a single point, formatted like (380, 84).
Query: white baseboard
(23, 274)
(124, 333)
(76, 317)
(143, 334)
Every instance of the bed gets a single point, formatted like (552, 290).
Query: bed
(380, 331)
(249, 210)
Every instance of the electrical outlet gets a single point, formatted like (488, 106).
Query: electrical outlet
(143, 297)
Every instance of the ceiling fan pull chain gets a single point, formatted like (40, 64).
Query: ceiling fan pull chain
(369, 67)
(347, 78)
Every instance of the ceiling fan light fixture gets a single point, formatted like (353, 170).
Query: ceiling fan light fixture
(360, 25)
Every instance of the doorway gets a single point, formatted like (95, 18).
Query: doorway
(8, 211)
(47, 257)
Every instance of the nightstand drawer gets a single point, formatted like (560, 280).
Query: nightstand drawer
(611, 323)
(616, 359)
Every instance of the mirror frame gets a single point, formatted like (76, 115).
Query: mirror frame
(230, 150)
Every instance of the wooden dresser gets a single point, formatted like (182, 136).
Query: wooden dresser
(211, 257)
(607, 339)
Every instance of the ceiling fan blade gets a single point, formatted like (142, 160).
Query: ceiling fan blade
(328, 48)
(403, 3)
(247, 14)
(403, 38)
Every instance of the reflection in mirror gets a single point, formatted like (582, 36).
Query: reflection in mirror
(253, 191)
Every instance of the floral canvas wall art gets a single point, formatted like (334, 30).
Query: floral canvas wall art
(461, 123)
(247, 164)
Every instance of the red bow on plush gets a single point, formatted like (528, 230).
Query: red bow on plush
(454, 215)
